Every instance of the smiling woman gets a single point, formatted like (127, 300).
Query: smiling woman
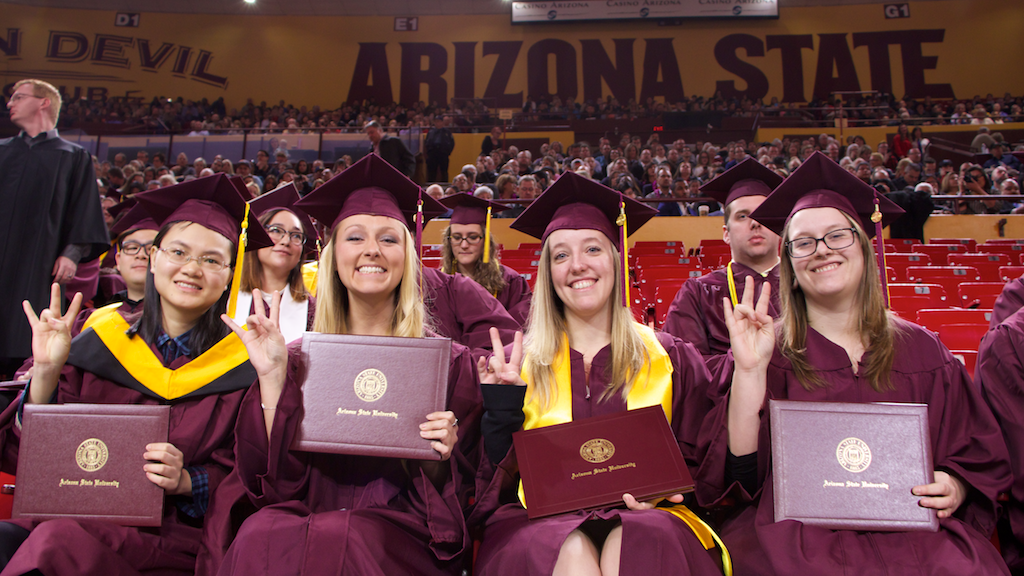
(110, 362)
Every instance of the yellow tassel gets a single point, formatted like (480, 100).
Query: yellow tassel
(621, 221)
(236, 279)
(487, 238)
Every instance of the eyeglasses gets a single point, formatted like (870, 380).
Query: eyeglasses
(473, 239)
(835, 240)
(21, 96)
(276, 233)
(133, 248)
(179, 257)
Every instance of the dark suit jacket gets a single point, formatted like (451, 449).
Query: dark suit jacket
(394, 152)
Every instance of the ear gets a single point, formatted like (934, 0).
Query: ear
(152, 259)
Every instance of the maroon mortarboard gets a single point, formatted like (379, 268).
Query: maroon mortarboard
(468, 209)
(284, 197)
(371, 186)
(821, 183)
(577, 203)
(748, 178)
(131, 217)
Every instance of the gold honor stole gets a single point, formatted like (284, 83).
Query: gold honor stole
(653, 386)
(105, 349)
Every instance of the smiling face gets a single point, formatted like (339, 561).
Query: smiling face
(582, 271)
(189, 289)
(752, 245)
(369, 252)
(283, 256)
(827, 276)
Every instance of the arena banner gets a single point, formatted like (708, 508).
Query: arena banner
(580, 10)
(942, 49)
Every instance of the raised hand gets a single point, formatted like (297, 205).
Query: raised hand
(751, 329)
(165, 468)
(51, 332)
(268, 352)
(497, 370)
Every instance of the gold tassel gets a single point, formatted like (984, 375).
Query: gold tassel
(621, 221)
(487, 238)
(236, 279)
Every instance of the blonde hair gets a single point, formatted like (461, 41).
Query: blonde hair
(875, 324)
(487, 275)
(46, 90)
(546, 326)
(252, 268)
(409, 318)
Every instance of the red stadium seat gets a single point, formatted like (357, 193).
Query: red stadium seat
(962, 336)
(1005, 241)
(520, 254)
(969, 358)
(890, 274)
(643, 260)
(530, 245)
(520, 265)
(1007, 273)
(987, 264)
(664, 293)
(658, 244)
(531, 277)
(907, 306)
(431, 262)
(1014, 251)
(646, 250)
(6, 500)
(938, 252)
(980, 294)
(712, 242)
(649, 277)
(949, 277)
(935, 294)
(901, 244)
(969, 242)
(900, 262)
(932, 318)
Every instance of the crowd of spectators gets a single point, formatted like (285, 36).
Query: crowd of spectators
(165, 115)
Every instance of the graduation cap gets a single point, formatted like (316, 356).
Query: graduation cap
(212, 202)
(748, 178)
(821, 183)
(577, 203)
(468, 209)
(372, 186)
(131, 217)
(284, 197)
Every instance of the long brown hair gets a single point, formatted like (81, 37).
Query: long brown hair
(875, 325)
(487, 275)
(252, 268)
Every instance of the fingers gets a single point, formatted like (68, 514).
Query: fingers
(275, 308)
(633, 504)
(164, 452)
(763, 299)
(498, 349)
(748, 292)
(33, 320)
(516, 358)
(55, 300)
(76, 306)
(234, 327)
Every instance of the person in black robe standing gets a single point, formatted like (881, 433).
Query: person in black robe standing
(52, 219)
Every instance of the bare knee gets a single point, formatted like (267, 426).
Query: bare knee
(577, 557)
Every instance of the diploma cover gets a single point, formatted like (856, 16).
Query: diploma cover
(368, 395)
(846, 466)
(84, 461)
(591, 463)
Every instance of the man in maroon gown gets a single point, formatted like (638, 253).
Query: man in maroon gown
(696, 314)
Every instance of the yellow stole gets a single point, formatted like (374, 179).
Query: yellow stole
(141, 363)
(309, 272)
(653, 386)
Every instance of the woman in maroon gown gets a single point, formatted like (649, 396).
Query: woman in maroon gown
(188, 288)
(469, 249)
(585, 356)
(338, 514)
(839, 343)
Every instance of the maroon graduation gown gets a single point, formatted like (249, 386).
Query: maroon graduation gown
(339, 514)
(202, 428)
(462, 310)
(653, 541)
(1000, 375)
(516, 296)
(697, 316)
(1009, 301)
(965, 440)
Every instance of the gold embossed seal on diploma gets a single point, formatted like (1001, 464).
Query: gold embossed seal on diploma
(597, 450)
(367, 395)
(84, 461)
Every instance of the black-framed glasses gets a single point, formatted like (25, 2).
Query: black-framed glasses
(277, 232)
(835, 240)
(473, 239)
(133, 248)
(179, 257)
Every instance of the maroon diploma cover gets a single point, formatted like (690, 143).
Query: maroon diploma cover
(591, 463)
(846, 466)
(84, 461)
(368, 395)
